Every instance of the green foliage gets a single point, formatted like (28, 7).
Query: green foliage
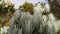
(11, 8)
(5, 8)
(27, 6)
(2, 7)
(0, 19)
